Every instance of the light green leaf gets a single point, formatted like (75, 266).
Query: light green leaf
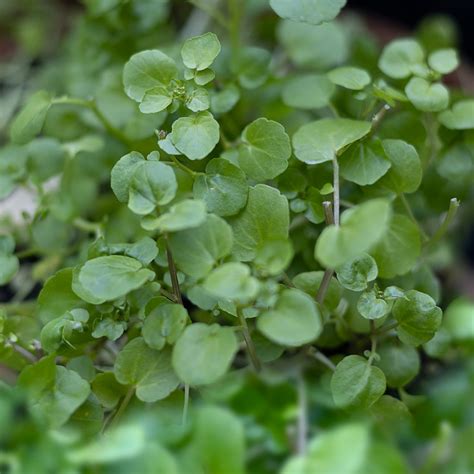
(365, 163)
(204, 353)
(425, 96)
(9, 263)
(186, 214)
(147, 370)
(406, 173)
(155, 100)
(314, 12)
(201, 78)
(309, 91)
(460, 116)
(195, 136)
(357, 272)
(398, 250)
(54, 392)
(146, 70)
(252, 67)
(197, 250)
(265, 218)
(224, 101)
(29, 122)
(294, 321)
(273, 256)
(298, 40)
(401, 58)
(459, 320)
(198, 99)
(371, 307)
(106, 388)
(122, 174)
(108, 278)
(350, 77)
(153, 184)
(223, 187)
(199, 52)
(164, 324)
(309, 282)
(110, 329)
(399, 363)
(361, 227)
(355, 382)
(232, 281)
(219, 441)
(444, 61)
(418, 317)
(323, 140)
(265, 149)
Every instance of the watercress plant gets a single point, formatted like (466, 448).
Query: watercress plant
(233, 263)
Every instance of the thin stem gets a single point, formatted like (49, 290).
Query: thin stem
(443, 228)
(333, 109)
(302, 427)
(328, 212)
(412, 217)
(184, 167)
(329, 272)
(318, 355)
(373, 339)
(185, 404)
(88, 226)
(122, 407)
(235, 10)
(174, 276)
(385, 329)
(23, 352)
(248, 342)
(378, 117)
(226, 143)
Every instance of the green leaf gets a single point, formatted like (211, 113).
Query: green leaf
(153, 184)
(361, 228)
(54, 392)
(322, 140)
(265, 149)
(418, 317)
(201, 78)
(313, 12)
(273, 256)
(357, 272)
(224, 101)
(223, 187)
(147, 370)
(232, 281)
(458, 320)
(252, 67)
(187, 214)
(406, 173)
(108, 278)
(309, 282)
(164, 324)
(199, 52)
(327, 452)
(444, 61)
(198, 99)
(145, 250)
(57, 297)
(122, 174)
(107, 390)
(147, 70)
(195, 136)
(353, 78)
(204, 353)
(371, 307)
(309, 91)
(196, 251)
(9, 265)
(401, 58)
(110, 329)
(398, 250)
(355, 382)
(399, 363)
(294, 321)
(219, 441)
(425, 96)
(155, 100)
(365, 163)
(29, 122)
(298, 40)
(265, 218)
(460, 116)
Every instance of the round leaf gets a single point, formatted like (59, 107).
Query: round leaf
(399, 363)
(294, 321)
(460, 116)
(425, 96)
(204, 353)
(356, 273)
(199, 52)
(265, 150)
(401, 58)
(350, 77)
(309, 91)
(444, 61)
(322, 140)
(371, 307)
(314, 12)
(355, 382)
(458, 320)
(122, 174)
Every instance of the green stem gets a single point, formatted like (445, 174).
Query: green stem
(336, 184)
(302, 424)
(235, 9)
(412, 217)
(185, 405)
(88, 226)
(378, 117)
(122, 407)
(443, 228)
(318, 355)
(329, 272)
(333, 109)
(249, 343)
(373, 339)
(184, 167)
(174, 276)
(24, 353)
